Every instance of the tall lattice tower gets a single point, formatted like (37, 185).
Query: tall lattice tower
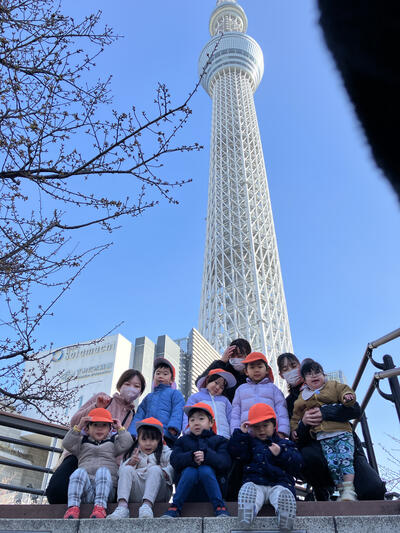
(242, 293)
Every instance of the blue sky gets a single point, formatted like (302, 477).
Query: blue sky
(336, 218)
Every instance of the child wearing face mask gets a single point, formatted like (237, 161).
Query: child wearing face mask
(211, 388)
(232, 361)
(95, 478)
(146, 476)
(336, 438)
(259, 387)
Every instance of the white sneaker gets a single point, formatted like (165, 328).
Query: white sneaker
(286, 511)
(145, 511)
(246, 504)
(120, 512)
(347, 493)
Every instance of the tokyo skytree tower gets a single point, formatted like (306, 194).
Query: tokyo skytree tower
(242, 291)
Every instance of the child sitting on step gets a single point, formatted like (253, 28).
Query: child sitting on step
(270, 464)
(96, 476)
(336, 438)
(200, 460)
(145, 477)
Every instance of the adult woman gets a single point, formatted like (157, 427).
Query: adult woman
(367, 483)
(130, 386)
(231, 361)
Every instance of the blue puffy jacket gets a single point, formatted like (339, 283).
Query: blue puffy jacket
(262, 467)
(165, 404)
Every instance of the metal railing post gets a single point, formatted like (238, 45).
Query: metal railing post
(368, 443)
(393, 382)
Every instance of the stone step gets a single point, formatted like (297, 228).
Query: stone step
(303, 524)
(359, 508)
(312, 517)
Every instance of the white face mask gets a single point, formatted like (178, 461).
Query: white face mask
(237, 364)
(129, 393)
(293, 377)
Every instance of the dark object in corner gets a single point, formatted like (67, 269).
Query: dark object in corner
(364, 38)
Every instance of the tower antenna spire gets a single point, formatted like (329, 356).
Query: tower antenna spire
(242, 290)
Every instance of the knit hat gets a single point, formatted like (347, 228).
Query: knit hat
(150, 422)
(228, 377)
(161, 360)
(100, 415)
(201, 406)
(259, 412)
(258, 356)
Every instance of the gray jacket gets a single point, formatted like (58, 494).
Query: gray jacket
(92, 454)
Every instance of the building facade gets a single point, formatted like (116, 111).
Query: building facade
(242, 289)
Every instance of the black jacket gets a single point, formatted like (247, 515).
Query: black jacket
(215, 450)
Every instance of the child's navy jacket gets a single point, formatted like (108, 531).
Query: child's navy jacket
(261, 466)
(215, 450)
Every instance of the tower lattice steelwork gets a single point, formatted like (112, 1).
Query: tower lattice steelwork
(242, 293)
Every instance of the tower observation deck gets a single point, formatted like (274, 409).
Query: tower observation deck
(242, 289)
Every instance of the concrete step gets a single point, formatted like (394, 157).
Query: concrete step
(312, 517)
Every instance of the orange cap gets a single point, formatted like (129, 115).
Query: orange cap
(152, 422)
(258, 356)
(100, 415)
(259, 412)
(203, 407)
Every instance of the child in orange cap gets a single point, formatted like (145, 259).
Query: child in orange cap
(211, 388)
(96, 476)
(259, 387)
(270, 464)
(200, 460)
(146, 476)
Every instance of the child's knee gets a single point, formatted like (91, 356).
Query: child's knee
(206, 471)
(155, 470)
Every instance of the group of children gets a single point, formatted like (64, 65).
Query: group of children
(254, 430)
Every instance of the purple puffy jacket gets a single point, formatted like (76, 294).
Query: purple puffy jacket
(263, 392)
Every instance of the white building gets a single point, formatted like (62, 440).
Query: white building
(96, 364)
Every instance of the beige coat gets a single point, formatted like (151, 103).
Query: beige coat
(92, 455)
(332, 392)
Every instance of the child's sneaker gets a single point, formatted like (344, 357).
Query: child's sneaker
(171, 513)
(98, 512)
(145, 511)
(286, 511)
(72, 512)
(348, 494)
(246, 504)
(221, 511)
(120, 512)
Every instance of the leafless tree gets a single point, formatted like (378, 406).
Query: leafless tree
(49, 184)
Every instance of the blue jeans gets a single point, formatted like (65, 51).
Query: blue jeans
(203, 475)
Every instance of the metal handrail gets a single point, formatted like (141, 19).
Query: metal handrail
(30, 425)
(368, 353)
(393, 372)
(388, 371)
(30, 444)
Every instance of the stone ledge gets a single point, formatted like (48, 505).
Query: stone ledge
(199, 510)
(310, 524)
